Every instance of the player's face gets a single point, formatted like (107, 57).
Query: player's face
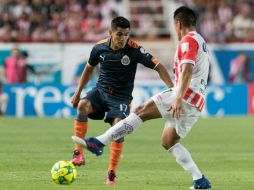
(15, 52)
(119, 37)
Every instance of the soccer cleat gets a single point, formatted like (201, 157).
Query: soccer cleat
(78, 158)
(81, 142)
(111, 178)
(92, 144)
(201, 183)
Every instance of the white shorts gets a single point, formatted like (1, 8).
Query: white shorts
(189, 117)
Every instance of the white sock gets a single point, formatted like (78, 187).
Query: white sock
(184, 158)
(121, 129)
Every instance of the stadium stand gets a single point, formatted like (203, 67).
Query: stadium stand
(88, 20)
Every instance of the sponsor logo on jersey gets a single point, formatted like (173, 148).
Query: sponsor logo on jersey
(142, 50)
(102, 57)
(185, 47)
(125, 60)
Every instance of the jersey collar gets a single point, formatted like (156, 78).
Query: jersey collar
(108, 42)
(192, 32)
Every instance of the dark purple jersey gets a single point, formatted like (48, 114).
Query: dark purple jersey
(118, 68)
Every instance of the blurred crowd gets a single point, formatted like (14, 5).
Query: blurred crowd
(56, 20)
(148, 19)
(225, 20)
(88, 20)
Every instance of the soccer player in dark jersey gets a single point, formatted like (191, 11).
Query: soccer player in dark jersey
(118, 57)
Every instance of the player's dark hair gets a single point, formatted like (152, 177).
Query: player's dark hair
(121, 22)
(186, 16)
(24, 53)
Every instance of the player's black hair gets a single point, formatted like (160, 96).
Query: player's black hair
(24, 53)
(121, 22)
(186, 16)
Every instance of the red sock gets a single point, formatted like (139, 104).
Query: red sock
(115, 154)
(80, 128)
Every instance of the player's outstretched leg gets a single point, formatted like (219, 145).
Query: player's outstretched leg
(92, 144)
(202, 183)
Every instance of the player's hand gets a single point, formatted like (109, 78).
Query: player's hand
(75, 100)
(176, 108)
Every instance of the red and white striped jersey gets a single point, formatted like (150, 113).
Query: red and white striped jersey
(192, 50)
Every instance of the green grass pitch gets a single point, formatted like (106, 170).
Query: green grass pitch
(223, 148)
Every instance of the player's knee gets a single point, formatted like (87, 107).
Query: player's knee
(141, 112)
(168, 144)
(115, 121)
(165, 146)
(84, 107)
(81, 106)
(138, 109)
(144, 113)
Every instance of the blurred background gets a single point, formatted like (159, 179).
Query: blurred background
(52, 40)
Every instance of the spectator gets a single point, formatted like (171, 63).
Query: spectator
(242, 22)
(29, 69)
(61, 20)
(24, 57)
(21, 8)
(23, 25)
(91, 27)
(16, 67)
(211, 28)
(239, 69)
(3, 100)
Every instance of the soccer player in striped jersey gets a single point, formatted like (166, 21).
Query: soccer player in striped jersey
(180, 106)
(118, 57)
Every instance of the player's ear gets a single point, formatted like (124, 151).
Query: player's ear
(110, 32)
(178, 24)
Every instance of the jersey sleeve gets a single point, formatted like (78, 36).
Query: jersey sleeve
(188, 50)
(94, 56)
(146, 58)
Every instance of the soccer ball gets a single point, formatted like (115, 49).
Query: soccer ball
(63, 172)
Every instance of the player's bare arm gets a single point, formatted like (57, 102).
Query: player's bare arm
(85, 77)
(164, 75)
(185, 79)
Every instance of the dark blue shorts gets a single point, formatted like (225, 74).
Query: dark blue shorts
(107, 107)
